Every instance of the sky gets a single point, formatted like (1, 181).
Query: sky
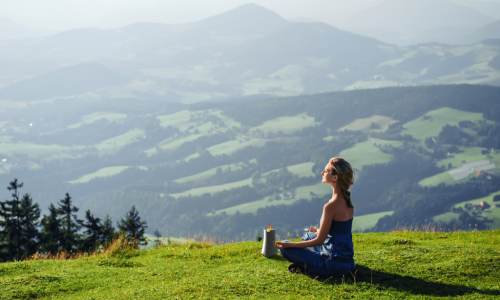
(67, 14)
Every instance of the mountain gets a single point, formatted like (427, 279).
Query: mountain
(13, 30)
(66, 81)
(410, 18)
(489, 8)
(489, 31)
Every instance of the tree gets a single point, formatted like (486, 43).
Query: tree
(10, 224)
(30, 215)
(70, 225)
(93, 233)
(133, 226)
(51, 231)
(108, 230)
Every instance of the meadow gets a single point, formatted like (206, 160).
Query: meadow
(493, 213)
(431, 124)
(213, 188)
(366, 153)
(365, 123)
(104, 172)
(396, 265)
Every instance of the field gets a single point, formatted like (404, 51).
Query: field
(433, 122)
(209, 173)
(303, 192)
(178, 119)
(104, 172)
(36, 150)
(303, 169)
(492, 214)
(468, 155)
(397, 265)
(366, 153)
(285, 82)
(230, 147)
(288, 124)
(214, 188)
(364, 124)
(89, 119)
(364, 222)
(113, 145)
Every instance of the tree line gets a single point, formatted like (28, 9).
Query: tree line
(24, 231)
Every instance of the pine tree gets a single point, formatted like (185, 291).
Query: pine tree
(10, 224)
(93, 233)
(30, 215)
(70, 225)
(51, 231)
(133, 226)
(108, 230)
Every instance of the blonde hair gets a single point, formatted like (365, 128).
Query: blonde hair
(344, 171)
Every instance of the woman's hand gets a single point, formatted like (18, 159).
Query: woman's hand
(280, 245)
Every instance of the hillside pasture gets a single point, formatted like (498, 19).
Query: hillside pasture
(178, 120)
(231, 147)
(364, 222)
(209, 173)
(214, 188)
(288, 124)
(431, 124)
(366, 153)
(91, 118)
(303, 169)
(365, 123)
(36, 150)
(114, 144)
(104, 172)
(492, 213)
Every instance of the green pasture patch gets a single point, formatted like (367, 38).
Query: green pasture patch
(396, 265)
(89, 119)
(229, 122)
(179, 120)
(443, 177)
(303, 169)
(493, 213)
(172, 143)
(364, 222)
(371, 84)
(365, 123)
(34, 150)
(431, 124)
(480, 73)
(114, 144)
(104, 172)
(288, 124)
(230, 147)
(214, 188)
(397, 61)
(318, 190)
(209, 173)
(365, 153)
(469, 154)
(285, 82)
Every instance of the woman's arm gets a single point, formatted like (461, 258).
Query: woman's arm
(324, 228)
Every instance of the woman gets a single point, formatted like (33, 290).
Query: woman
(332, 241)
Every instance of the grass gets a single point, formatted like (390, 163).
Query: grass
(303, 192)
(365, 123)
(428, 266)
(209, 173)
(457, 160)
(214, 188)
(231, 147)
(433, 122)
(303, 169)
(285, 82)
(104, 172)
(366, 153)
(89, 119)
(179, 119)
(288, 124)
(492, 214)
(114, 144)
(364, 222)
(37, 150)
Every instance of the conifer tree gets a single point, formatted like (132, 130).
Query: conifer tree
(10, 224)
(94, 232)
(51, 231)
(70, 225)
(133, 226)
(30, 215)
(108, 230)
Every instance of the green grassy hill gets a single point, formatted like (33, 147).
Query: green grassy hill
(397, 265)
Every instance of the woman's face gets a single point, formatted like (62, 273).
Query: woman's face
(327, 174)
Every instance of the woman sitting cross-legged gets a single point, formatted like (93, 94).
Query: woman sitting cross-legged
(332, 241)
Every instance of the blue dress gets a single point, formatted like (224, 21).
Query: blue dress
(333, 258)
